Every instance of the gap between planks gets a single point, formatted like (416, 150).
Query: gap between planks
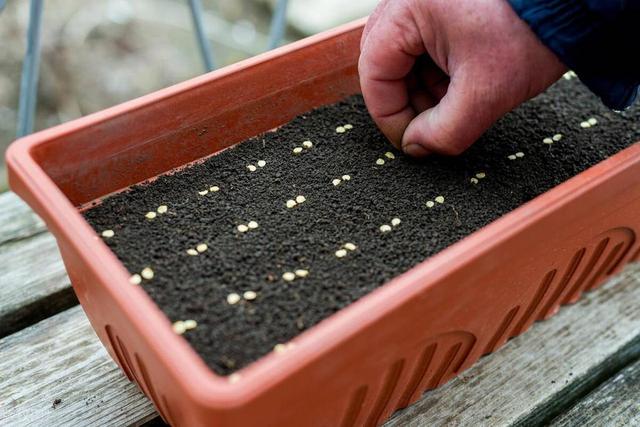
(615, 403)
(61, 357)
(34, 282)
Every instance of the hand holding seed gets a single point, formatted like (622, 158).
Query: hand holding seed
(436, 74)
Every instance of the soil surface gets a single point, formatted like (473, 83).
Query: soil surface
(229, 337)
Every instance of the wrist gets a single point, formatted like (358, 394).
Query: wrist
(584, 39)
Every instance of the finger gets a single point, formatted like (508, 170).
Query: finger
(432, 79)
(428, 72)
(421, 100)
(439, 90)
(387, 57)
(426, 84)
(450, 127)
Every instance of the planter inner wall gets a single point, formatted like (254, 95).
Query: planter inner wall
(198, 118)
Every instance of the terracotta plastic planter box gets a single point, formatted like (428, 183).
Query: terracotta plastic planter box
(369, 359)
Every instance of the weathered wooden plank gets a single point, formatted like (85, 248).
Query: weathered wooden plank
(531, 379)
(17, 220)
(34, 282)
(614, 403)
(536, 375)
(61, 358)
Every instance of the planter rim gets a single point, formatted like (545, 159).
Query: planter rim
(204, 385)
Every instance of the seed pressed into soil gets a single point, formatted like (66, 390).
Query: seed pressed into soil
(432, 197)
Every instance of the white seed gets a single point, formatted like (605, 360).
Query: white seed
(336, 182)
(297, 150)
(430, 204)
(548, 141)
(341, 253)
(234, 378)
(280, 348)
(593, 121)
(395, 222)
(251, 168)
(250, 295)
(135, 279)
(288, 276)
(350, 246)
(307, 144)
(301, 199)
(233, 298)
(253, 225)
(474, 180)
(192, 252)
(214, 189)
(519, 154)
(348, 126)
(585, 125)
(385, 228)
(346, 177)
(439, 199)
(162, 209)
(178, 327)
(389, 155)
(203, 192)
(150, 215)
(108, 233)
(147, 273)
(481, 175)
(202, 247)
(243, 228)
(190, 324)
(557, 137)
(291, 203)
(261, 163)
(340, 129)
(302, 272)
(511, 157)
(380, 162)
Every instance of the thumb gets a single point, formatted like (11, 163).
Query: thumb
(454, 124)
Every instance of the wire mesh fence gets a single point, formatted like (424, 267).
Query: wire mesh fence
(30, 69)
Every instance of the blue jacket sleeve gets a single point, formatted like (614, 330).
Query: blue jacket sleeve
(598, 39)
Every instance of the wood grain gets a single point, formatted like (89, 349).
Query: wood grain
(17, 220)
(62, 358)
(614, 403)
(34, 282)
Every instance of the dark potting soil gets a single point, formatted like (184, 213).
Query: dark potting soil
(229, 337)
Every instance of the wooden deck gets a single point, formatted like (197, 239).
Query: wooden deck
(582, 367)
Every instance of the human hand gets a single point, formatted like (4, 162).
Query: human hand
(436, 74)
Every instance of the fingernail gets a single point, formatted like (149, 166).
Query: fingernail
(416, 150)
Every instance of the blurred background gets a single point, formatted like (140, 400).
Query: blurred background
(98, 53)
